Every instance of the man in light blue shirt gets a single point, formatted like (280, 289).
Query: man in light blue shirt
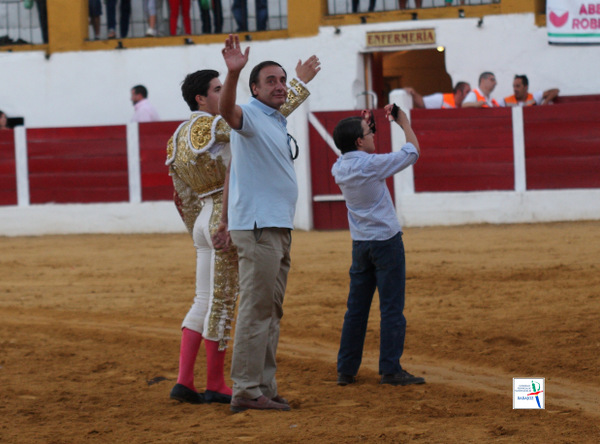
(262, 202)
(377, 247)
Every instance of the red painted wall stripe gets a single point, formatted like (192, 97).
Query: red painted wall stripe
(464, 150)
(8, 175)
(562, 146)
(156, 182)
(78, 165)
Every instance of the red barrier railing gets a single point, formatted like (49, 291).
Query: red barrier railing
(464, 150)
(8, 175)
(156, 183)
(562, 146)
(78, 165)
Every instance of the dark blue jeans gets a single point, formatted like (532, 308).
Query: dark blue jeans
(111, 16)
(217, 11)
(381, 265)
(240, 13)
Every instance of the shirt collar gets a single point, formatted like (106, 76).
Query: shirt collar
(354, 154)
(264, 108)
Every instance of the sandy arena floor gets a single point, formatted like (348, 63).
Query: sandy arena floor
(90, 323)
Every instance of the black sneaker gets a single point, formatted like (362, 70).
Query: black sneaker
(344, 379)
(402, 378)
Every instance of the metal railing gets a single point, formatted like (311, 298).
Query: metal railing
(18, 25)
(138, 22)
(336, 7)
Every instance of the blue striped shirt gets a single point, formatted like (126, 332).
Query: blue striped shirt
(361, 177)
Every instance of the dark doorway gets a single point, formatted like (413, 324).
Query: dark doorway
(422, 69)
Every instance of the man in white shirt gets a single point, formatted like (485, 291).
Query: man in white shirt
(144, 111)
(441, 100)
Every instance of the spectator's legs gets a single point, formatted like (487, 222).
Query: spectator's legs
(111, 18)
(43, 16)
(372, 5)
(150, 9)
(125, 11)
(218, 16)
(174, 16)
(162, 21)
(404, 2)
(185, 13)
(262, 14)
(205, 16)
(355, 4)
(239, 10)
(96, 26)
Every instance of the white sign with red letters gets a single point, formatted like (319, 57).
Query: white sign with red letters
(573, 21)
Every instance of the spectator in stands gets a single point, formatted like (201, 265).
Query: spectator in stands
(175, 6)
(150, 12)
(522, 96)
(3, 121)
(162, 19)
(95, 11)
(355, 4)
(480, 97)
(217, 11)
(441, 100)
(144, 110)
(111, 17)
(239, 10)
(404, 2)
(43, 16)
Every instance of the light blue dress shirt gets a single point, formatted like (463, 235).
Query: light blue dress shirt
(262, 183)
(361, 177)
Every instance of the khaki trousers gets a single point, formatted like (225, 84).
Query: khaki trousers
(264, 263)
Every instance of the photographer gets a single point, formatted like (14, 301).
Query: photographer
(377, 248)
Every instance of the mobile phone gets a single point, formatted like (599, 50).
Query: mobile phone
(395, 111)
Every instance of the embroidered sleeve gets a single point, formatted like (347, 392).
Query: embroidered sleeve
(222, 131)
(297, 93)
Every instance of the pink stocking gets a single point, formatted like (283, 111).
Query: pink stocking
(190, 343)
(215, 361)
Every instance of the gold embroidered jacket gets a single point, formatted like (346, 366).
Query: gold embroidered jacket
(198, 154)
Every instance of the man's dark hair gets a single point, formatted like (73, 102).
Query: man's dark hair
(197, 83)
(256, 71)
(523, 78)
(346, 132)
(485, 75)
(460, 86)
(140, 89)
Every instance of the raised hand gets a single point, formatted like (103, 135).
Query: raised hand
(308, 70)
(235, 59)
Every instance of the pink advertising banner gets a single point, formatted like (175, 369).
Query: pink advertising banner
(573, 21)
